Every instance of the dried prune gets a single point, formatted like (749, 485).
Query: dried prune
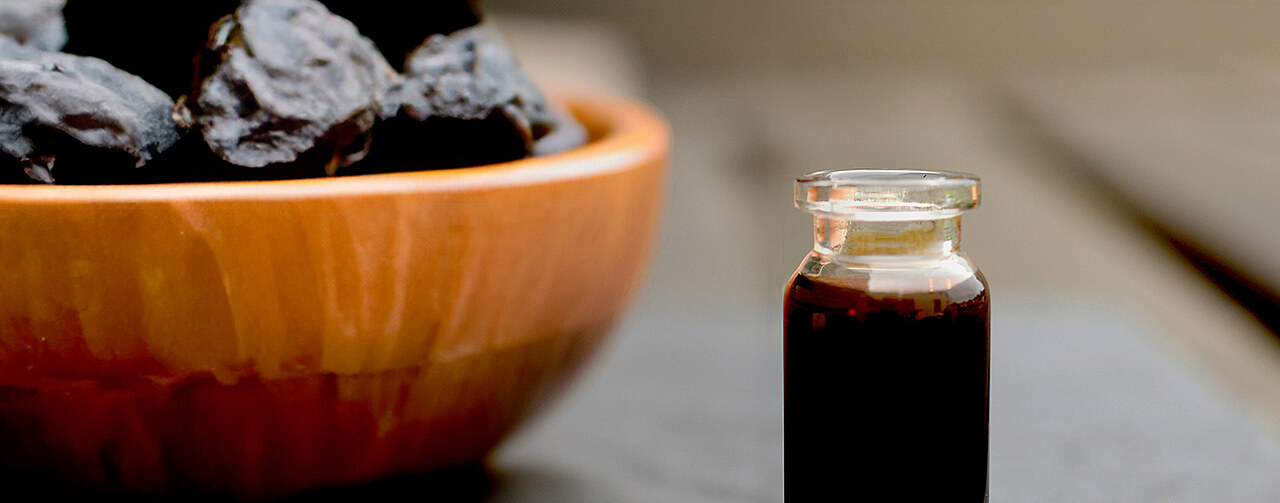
(73, 119)
(37, 23)
(463, 102)
(289, 82)
(285, 85)
(400, 27)
(154, 39)
(471, 74)
(190, 160)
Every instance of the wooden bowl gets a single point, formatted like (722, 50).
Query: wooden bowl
(263, 338)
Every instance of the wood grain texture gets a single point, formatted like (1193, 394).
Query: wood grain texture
(442, 307)
(347, 276)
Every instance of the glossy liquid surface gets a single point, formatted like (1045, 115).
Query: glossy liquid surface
(886, 394)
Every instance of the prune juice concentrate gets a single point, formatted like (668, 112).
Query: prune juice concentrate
(886, 393)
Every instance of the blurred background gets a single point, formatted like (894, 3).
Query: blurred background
(1129, 151)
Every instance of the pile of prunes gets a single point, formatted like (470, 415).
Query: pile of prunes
(163, 91)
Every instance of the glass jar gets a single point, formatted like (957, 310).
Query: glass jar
(887, 342)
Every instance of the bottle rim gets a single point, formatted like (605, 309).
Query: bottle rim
(888, 194)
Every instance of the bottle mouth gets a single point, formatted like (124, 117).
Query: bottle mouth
(888, 194)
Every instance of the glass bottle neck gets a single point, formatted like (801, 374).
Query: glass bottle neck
(863, 240)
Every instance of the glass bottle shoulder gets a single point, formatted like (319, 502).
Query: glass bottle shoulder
(952, 279)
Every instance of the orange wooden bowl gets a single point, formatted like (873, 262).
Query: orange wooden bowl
(263, 338)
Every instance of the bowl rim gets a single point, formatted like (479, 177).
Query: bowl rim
(624, 132)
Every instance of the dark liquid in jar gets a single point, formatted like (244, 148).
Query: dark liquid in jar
(886, 394)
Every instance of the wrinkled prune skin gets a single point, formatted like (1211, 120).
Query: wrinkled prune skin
(157, 40)
(292, 83)
(464, 101)
(272, 89)
(399, 27)
(471, 74)
(72, 120)
(37, 23)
